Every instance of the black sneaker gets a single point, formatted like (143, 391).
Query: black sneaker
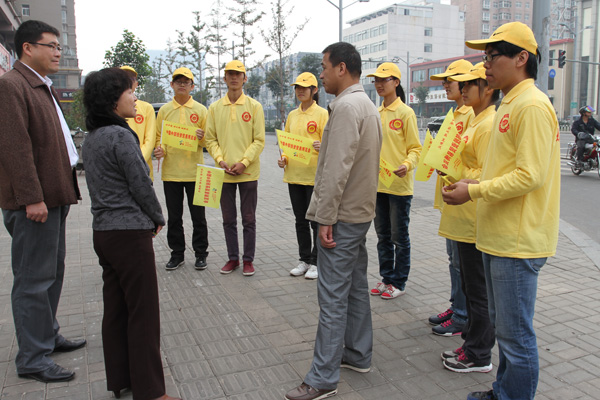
(452, 353)
(174, 263)
(489, 395)
(200, 264)
(448, 328)
(463, 364)
(441, 317)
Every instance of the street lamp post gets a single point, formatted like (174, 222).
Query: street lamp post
(407, 62)
(341, 10)
(574, 65)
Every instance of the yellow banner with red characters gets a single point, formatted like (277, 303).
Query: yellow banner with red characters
(424, 171)
(295, 146)
(444, 153)
(209, 185)
(386, 172)
(179, 135)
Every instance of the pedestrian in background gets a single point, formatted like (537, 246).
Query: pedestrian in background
(37, 187)
(401, 149)
(126, 216)
(307, 121)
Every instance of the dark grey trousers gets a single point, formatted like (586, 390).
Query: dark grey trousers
(38, 263)
(345, 330)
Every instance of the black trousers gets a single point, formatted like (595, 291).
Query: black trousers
(131, 322)
(479, 334)
(307, 243)
(175, 236)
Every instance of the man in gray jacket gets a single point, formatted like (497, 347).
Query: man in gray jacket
(343, 203)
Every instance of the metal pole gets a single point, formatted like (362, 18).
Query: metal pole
(407, 74)
(573, 110)
(341, 8)
(541, 30)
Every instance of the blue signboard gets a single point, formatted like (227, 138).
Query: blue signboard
(552, 73)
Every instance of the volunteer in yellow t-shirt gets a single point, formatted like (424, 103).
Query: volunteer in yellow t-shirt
(308, 121)
(519, 206)
(235, 137)
(400, 149)
(144, 123)
(179, 171)
(452, 321)
(458, 224)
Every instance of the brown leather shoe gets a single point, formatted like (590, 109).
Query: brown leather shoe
(307, 392)
(230, 266)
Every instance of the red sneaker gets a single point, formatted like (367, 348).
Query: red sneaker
(248, 268)
(230, 266)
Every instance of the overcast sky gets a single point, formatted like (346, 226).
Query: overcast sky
(100, 24)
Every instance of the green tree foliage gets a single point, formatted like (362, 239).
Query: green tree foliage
(252, 87)
(421, 93)
(216, 37)
(129, 51)
(310, 63)
(243, 15)
(195, 46)
(279, 39)
(75, 114)
(154, 90)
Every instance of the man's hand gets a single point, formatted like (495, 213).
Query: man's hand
(457, 193)
(401, 171)
(282, 162)
(317, 145)
(238, 168)
(199, 134)
(159, 153)
(326, 236)
(37, 212)
(224, 165)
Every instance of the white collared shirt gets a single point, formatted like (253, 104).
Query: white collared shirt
(73, 156)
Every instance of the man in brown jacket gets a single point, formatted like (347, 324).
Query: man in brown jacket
(37, 186)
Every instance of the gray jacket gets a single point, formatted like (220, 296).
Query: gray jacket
(348, 168)
(117, 178)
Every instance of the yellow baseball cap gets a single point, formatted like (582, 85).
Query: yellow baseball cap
(128, 68)
(235, 65)
(385, 70)
(477, 72)
(306, 79)
(457, 67)
(184, 72)
(516, 33)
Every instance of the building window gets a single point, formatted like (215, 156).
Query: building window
(517, 17)
(495, 4)
(64, 16)
(526, 4)
(25, 10)
(419, 76)
(486, 4)
(550, 83)
(435, 71)
(518, 4)
(485, 16)
(485, 28)
(526, 17)
(505, 4)
(63, 2)
(551, 58)
(505, 16)
(427, 48)
(428, 31)
(495, 16)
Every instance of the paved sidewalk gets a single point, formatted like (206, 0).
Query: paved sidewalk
(236, 337)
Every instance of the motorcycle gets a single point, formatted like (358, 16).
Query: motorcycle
(591, 157)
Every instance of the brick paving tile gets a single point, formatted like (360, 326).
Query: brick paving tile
(237, 337)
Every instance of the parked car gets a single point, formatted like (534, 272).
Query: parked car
(435, 124)
(157, 107)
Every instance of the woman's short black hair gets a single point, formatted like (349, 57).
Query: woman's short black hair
(101, 92)
(510, 50)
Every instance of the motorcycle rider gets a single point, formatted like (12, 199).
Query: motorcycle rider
(583, 129)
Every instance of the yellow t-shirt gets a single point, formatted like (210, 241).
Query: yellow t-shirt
(462, 116)
(144, 125)
(458, 222)
(308, 124)
(401, 145)
(236, 133)
(180, 165)
(520, 180)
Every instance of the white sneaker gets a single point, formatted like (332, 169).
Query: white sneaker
(300, 269)
(312, 272)
(391, 292)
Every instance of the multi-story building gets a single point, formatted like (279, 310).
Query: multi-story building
(9, 22)
(586, 34)
(406, 32)
(61, 15)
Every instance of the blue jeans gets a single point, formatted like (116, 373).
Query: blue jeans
(512, 288)
(458, 301)
(393, 246)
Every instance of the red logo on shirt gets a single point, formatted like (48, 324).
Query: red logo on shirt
(311, 127)
(503, 127)
(194, 118)
(139, 119)
(396, 124)
(246, 116)
(459, 127)
(466, 138)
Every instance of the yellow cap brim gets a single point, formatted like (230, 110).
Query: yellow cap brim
(464, 77)
(381, 75)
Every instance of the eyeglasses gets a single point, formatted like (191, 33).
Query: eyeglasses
(182, 83)
(52, 46)
(490, 57)
(382, 80)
